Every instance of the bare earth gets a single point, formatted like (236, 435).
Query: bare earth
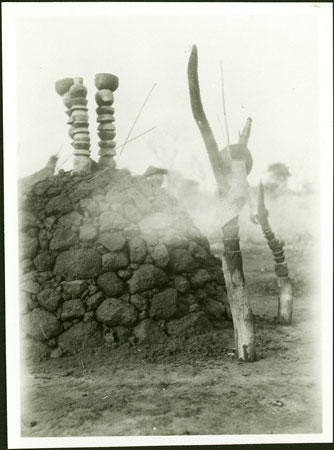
(195, 388)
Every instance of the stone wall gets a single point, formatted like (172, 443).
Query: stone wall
(110, 258)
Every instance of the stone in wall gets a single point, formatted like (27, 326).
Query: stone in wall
(149, 332)
(164, 304)
(78, 263)
(111, 284)
(147, 277)
(160, 255)
(113, 312)
(114, 261)
(28, 246)
(72, 309)
(190, 325)
(41, 325)
(112, 241)
(182, 261)
(80, 336)
(49, 299)
(44, 261)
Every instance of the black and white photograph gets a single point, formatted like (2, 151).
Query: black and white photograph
(168, 223)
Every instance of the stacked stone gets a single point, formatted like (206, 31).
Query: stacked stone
(112, 260)
(106, 84)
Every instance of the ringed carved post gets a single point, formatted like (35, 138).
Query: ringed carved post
(80, 132)
(74, 95)
(285, 296)
(62, 88)
(231, 177)
(106, 85)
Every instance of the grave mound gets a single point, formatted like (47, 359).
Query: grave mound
(110, 258)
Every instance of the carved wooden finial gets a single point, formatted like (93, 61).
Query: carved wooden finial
(74, 95)
(106, 84)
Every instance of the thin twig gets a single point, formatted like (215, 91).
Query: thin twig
(57, 168)
(224, 110)
(100, 173)
(221, 125)
(134, 138)
(83, 366)
(40, 326)
(60, 149)
(135, 121)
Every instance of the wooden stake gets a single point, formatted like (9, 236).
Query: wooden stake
(285, 301)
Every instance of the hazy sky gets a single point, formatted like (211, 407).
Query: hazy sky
(271, 70)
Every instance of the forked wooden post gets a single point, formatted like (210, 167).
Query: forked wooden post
(203, 123)
(244, 136)
(232, 259)
(285, 296)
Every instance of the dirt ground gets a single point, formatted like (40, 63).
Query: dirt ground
(197, 387)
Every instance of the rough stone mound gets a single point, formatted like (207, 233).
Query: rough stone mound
(109, 257)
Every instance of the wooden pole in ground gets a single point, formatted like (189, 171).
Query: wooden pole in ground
(232, 259)
(285, 296)
(237, 293)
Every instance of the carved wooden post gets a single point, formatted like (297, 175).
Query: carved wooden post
(231, 177)
(80, 132)
(285, 297)
(62, 88)
(106, 84)
(237, 292)
(74, 96)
